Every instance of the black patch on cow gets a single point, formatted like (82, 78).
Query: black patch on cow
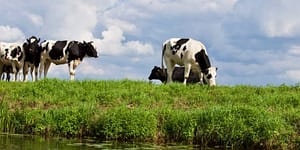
(15, 52)
(57, 50)
(202, 60)
(184, 48)
(75, 52)
(179, 43)
(209, 76)
(181, 55)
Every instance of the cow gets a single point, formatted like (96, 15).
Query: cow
(192, 55)
(32, 51)
(12, 54)
(178, 73)
(65, 52)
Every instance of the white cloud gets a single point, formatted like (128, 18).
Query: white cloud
(114, 43)
(294, 50)
(70, 20)
(293, 75)
(37, 20)
(11, 34)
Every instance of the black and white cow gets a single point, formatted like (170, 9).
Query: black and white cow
(12, 54)
(65, 52)
(192, 55)
(178, 75)
(32, 51)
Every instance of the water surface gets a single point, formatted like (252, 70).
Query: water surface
(27, 142)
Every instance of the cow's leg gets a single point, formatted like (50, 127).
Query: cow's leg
(7, 76)
(1, 68)
(72, 68)
(46, 68)
(32, 68)
(25, 72)
(36, 69)
(15, 73)
(201, 77)
(42, 65)
(187, 69)
(170, 67)
(19, 68)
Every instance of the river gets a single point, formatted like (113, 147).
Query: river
(28, 142)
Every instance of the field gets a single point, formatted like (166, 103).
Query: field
(236, 116)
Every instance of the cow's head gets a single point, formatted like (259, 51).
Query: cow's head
(157, 73)
(31, 46)
(210, 75)
(90, 49)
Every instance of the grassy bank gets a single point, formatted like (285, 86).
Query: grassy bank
(238, 116)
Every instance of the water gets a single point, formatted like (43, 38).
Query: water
(25, 142)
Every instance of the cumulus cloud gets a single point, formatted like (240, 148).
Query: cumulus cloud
(293, 75)
(114, 43)
(11, 34)
(70, 20)
(36, 19)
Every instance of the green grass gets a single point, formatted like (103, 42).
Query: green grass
(237, 116)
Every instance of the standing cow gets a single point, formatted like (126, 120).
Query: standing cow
(192, 55)
(32, 51)
(12, 54)
(65, 52)
(178, 75)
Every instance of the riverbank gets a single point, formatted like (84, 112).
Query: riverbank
(238, 116)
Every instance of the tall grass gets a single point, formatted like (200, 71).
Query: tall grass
(124, 110)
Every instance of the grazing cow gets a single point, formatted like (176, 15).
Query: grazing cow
(62, 52)
(192, 55)
(178, 73)
(12, 54)
(32, 51)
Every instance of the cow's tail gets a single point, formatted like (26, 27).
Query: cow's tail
(162, 58)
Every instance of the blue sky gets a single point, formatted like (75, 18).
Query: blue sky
(253, 42)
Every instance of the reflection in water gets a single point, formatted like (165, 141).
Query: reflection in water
(23, 142)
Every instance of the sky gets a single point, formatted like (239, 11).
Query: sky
(252, 42)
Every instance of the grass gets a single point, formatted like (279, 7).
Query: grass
(236, 116)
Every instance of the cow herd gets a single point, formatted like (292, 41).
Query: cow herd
(35, 57)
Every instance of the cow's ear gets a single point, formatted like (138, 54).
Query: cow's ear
(39, 40)
(91, 42)
(28, 40)
(25, 45)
